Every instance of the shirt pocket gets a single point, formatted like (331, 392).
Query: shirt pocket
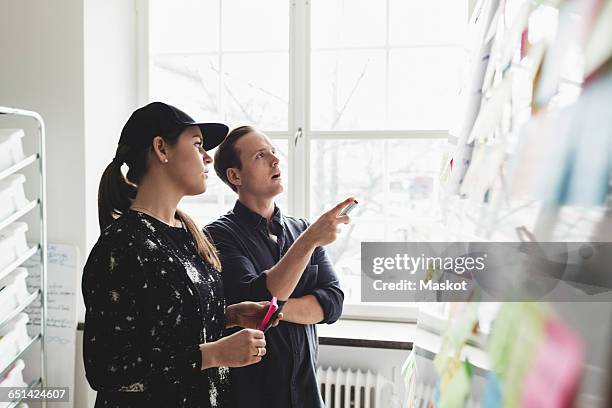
(308, 281)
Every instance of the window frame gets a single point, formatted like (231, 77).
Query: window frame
(299, 133)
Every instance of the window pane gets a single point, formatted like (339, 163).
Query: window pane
(219, 198)
(282, 146)
(396, 184)
(427, 22)
(228, 60)
(347, 90)
(183, 26)
(255, 25)
(423, 87)
(378, 69)
(256, 90)
(340, 23)
(189, 83)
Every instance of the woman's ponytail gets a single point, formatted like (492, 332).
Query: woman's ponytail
(115, 194)
(203, 245)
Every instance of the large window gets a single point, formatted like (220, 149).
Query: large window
(357, 95)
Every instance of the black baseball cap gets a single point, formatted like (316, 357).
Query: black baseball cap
(158, 118)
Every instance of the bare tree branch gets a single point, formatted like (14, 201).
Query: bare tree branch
(194, 76)
(350, 96)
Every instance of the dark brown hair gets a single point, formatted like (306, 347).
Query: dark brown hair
(116, 193)
(227, 156)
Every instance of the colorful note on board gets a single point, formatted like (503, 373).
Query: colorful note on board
(409, 371)
(459, 330)
(553, 379)
(493, 393)
(517, 332)
(598, 48)
(525, 342)
(458, 389)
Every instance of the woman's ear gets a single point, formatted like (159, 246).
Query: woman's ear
(233, 176)
(160, 149)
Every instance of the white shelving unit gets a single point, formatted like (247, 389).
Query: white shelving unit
(18, 257)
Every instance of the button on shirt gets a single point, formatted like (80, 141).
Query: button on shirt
(286, 376)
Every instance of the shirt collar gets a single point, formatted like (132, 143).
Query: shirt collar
(253, 219)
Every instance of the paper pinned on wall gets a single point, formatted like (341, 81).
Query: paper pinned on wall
(554, 62)
(582, 151)
(460, 328)
(484, 170)
(409, 371)
(492, 394)
(598, 49)
(512, 36)
(458, 389)
(491, 111)
(524, 338)
(471, 90)
(552, 381)
(530, 154)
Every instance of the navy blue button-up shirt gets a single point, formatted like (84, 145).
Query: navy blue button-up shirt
(286, 376)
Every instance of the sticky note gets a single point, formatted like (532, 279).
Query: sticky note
(409, 371)
(493, 393)
(458, 388)
(554, 376)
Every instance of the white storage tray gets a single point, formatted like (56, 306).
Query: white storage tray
(12, 195)
(13, 379)
(13, 291)
(13, 243)
(11, 148)
(13, 339)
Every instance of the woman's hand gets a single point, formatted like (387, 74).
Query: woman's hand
(240, 349)
(248, 314)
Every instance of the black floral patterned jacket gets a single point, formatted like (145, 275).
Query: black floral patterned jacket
(150, 301)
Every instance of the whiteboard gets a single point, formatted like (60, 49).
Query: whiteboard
(60, 343)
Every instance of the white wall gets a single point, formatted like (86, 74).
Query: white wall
(110, 90)
(41, 49)
(109, 98)
(74, 62)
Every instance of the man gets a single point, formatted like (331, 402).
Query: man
(265, 253)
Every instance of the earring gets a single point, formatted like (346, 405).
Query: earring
(165, 160)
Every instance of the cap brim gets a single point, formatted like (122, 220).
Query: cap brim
(213, 133)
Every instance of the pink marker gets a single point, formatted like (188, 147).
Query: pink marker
(265, 323)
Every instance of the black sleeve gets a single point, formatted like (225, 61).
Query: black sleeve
(241, 279)
(115, 336)
(327, 292)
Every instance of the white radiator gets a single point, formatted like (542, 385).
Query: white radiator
(345, 388)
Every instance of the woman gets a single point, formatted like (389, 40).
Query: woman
(155, 309)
